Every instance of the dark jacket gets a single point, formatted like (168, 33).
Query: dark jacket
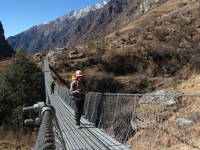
(53, 84)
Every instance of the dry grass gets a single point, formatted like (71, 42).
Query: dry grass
(16, 141)
(190, 86)
(167, 135)
(4, 63)
(169, 8)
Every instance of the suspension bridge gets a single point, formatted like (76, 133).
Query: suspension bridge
(109, 120)
(62, 126)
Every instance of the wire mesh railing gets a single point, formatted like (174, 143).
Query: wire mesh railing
(135, 118)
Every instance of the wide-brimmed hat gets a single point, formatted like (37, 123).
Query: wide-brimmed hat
(79, 73)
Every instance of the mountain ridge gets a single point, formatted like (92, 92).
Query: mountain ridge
(67, 32)
(45, 32)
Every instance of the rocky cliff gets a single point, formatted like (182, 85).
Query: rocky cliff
(5, 49)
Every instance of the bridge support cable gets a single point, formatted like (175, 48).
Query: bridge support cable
(45, 140)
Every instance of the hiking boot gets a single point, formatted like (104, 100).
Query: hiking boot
(78, 126)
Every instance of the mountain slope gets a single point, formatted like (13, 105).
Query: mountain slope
(5, 49)
(56, 33)
(81, 26)
(155, 50)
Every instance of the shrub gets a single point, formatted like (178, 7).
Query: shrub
(195, 60)
(137, 84)
(22, 84)
(161, 33)
(102, 82)
(124, 61)
(168, 59)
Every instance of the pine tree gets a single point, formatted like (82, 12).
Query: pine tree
(21, 84)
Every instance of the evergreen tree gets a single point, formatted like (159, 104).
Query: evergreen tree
(21, 84)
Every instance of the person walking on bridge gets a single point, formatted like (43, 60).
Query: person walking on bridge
(78, 89)
(52, 86)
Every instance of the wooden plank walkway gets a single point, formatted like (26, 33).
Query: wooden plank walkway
(86, 138)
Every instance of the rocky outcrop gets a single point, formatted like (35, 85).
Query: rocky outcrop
(5, 49)
(75, 54)
(153, 108)
(165, 97)
(184, 122)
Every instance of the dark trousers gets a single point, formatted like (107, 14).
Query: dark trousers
(78, 110)
(52, 90)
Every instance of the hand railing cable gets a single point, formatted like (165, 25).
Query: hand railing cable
(45, 140)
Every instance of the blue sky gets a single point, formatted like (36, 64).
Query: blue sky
(19, 15)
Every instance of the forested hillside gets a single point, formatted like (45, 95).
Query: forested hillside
(21, 84)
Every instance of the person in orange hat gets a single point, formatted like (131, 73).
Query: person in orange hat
(73, 76)
(78, 89)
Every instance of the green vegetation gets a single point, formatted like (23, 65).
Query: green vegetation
(21, 84)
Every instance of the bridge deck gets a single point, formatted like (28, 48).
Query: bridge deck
(86, 138)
